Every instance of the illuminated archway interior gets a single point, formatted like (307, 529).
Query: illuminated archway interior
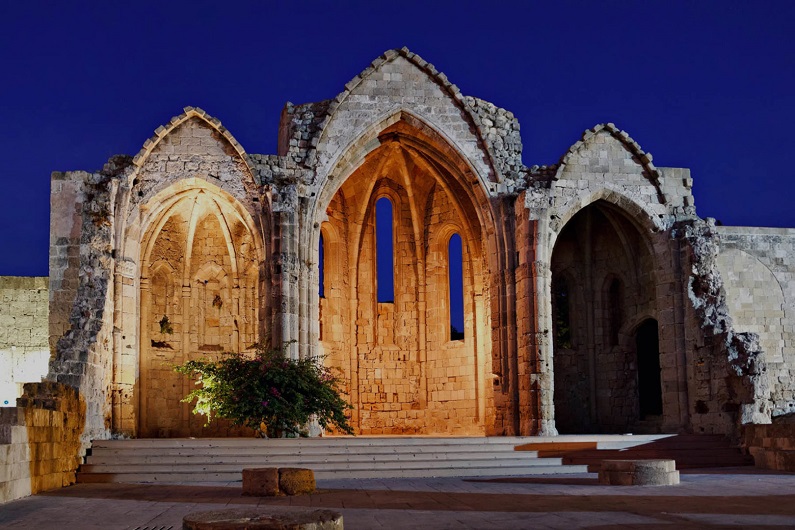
(199, 297)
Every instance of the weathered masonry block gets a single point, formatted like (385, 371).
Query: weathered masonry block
(271, 481)
(40, 440)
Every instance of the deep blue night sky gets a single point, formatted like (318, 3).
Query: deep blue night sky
(706, 85)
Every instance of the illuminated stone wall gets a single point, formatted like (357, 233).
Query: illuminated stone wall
(40, 440)
(24, 347)
(194, 247)
(403, 371)
(760, 293)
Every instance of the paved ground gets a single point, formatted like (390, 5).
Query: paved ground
(737, 498)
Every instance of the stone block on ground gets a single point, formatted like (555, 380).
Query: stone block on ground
(261, 482)
(296, 480)
(273, 517)
(639, 473)
(271, 481)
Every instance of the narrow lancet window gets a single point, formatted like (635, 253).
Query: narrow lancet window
(455, 268)
(615, 299)
(321, 262)
(561, 323)
(384, 247)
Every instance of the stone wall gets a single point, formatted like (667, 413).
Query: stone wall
(40, 446)
(772, 446)
(24, 348)
(81, 290)
(225, 245)
(758, 270)
(535, 414)
(403, 371)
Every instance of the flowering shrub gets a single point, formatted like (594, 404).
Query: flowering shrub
(270, 393)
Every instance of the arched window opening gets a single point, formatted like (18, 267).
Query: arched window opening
(384, 245)
(455, 268)
(647, 342)
(321, 263)
(615, 300)
(561, 308)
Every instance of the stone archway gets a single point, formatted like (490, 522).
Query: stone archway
(405, 372)
(199, 297)
(602, 270)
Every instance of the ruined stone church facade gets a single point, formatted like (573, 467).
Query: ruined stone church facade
(594, 298)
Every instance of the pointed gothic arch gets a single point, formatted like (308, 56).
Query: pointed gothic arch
(610, 253)
(430, 188)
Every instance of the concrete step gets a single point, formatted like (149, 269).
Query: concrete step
(301, 450)
(223, 459)
(372, 441)
(333, 441)
(235, 476)
(283, 459)
(211, 466)
(330, 474)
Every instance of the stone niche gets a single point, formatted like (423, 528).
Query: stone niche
(198, 299)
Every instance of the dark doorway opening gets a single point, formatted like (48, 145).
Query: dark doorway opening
(647, 343)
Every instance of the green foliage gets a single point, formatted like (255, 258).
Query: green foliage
(267, 392)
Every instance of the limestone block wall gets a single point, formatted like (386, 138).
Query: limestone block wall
(81, 289)
(771, 445)
(404, 373)
(726, 369)
(758, 270)
(40, 446)
(536, 415)
(66, 224)
(24, 345)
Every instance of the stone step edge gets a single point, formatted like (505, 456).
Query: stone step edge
(210, 467)
(320, 475)
(317, 456)
(396, 440)
(305, 450)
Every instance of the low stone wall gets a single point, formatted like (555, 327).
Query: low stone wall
(24, 345)
(772, 446)
(40, 440)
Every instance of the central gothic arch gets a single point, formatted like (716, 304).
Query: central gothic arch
(405, 372)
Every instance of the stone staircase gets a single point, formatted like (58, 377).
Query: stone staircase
(690, 451)
(216, 460)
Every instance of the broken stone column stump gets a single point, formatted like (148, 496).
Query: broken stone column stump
(639, 473)
(273, 517)
(271, 481)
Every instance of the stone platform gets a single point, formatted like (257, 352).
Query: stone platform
(725, 498)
